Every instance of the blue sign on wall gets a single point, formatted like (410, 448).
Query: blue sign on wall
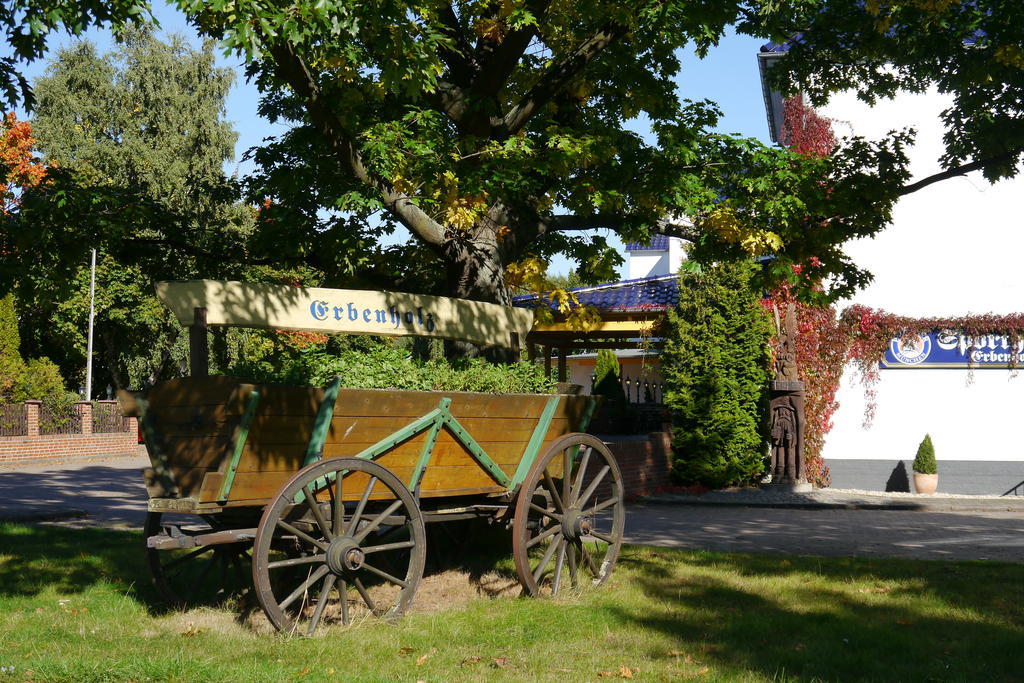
(950, 350)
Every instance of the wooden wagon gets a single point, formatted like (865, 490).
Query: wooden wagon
(329, 489)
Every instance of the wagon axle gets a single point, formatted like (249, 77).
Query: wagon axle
(344, 554)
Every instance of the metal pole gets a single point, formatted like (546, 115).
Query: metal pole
(92, 314)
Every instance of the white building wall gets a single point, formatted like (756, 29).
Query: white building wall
(646, 264)
(952, 249)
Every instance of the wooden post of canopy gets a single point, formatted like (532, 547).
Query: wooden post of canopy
(198, 350)
(547, 361)
(562, 365)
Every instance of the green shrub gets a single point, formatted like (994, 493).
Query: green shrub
(716, 364)
(615, 415)
(42, 381)
(12, 368)
(924, 461)
(383, 365)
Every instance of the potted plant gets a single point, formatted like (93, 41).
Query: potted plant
(926, 472)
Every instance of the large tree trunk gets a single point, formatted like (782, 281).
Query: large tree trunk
(476, 272)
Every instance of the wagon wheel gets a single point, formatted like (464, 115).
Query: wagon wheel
(567, 530)
(207, 575)
(322, 560)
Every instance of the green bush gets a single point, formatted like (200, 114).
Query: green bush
(12, 368)
(716, 364)
(383, 365)
(924, 461)
(42, 381)
(615, 415)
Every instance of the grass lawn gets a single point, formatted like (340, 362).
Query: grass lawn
(77, 605)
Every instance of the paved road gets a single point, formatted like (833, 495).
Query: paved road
(111, 493)
(831, 532)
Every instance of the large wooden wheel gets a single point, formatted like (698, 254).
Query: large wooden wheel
(202, 575)
(319, 559)
(569, 517)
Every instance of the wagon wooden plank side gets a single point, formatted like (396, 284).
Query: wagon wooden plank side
(330, 488)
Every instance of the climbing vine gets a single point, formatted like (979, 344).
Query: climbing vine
(821, 347)
(868, 333)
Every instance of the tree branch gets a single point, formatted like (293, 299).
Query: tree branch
(498, 59)
(292, 70)
(963, 169)
(559, 75)
(571, 223)
(459, 61)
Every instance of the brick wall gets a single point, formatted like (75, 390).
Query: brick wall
(40, 447)
(645, 461)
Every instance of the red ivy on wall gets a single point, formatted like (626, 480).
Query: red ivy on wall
(804, 130)
(821, 346)
(869, 331)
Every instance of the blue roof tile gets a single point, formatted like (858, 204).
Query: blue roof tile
(656, 293)
(658, 243)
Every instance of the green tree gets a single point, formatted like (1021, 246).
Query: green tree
(147, 119)
(716, 362)
(492, 131)
(12, 368)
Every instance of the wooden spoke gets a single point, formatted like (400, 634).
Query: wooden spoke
(603, 536)
(304, 586)
(567, 474)
(318, 515)
(384, 575)
(593, 486)
(549, 484)
(190, 556)
(545, 512)
(201, 579)
(377, 521)
(578, 484)
(604, 505)
(301, 534)
(400, 545)
(337, 507)
(558, 570)
(295, 561)
(361, 589)
(572, 564)
(343, 592)
(358, 514)
(541, 536)
(589, 561)
(539, 571)
(321, 602)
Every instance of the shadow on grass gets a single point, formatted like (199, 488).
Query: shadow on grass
(34, 558)
(805, 618)
(70, 560)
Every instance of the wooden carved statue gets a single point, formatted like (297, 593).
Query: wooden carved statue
(785, 357)
(787, 405)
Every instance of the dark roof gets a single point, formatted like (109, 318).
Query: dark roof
(658, 243)
(655, 293)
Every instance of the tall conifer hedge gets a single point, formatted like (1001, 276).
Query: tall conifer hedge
(716, 363)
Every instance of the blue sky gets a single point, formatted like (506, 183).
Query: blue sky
(728, 76)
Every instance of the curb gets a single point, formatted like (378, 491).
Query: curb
(923, 506)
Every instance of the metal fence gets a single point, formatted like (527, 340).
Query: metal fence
(107, 418)
(60, 419)
(13, 419)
